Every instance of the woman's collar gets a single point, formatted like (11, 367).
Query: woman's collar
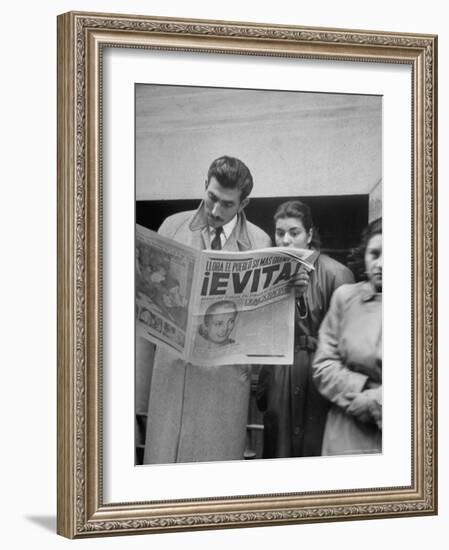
(368, 292)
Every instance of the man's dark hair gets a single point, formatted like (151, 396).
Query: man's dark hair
(231, 173)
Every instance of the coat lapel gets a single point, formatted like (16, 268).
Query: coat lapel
(199, 229)
(238, 239)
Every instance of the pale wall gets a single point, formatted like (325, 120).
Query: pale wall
(375, 202)
(293, 143)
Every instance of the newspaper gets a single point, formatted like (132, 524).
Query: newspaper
(217, 307)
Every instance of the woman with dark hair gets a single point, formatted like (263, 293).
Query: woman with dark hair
(348, 363)
(294, 412)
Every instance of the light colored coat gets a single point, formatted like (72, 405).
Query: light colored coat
(191, 228)
(349, 359)
(199, 413)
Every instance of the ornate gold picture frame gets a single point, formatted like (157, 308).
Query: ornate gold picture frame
(83, 39)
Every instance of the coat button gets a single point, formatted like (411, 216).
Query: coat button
(297, 431)
(296, 390)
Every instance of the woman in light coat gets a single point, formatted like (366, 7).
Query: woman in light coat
(347, 367)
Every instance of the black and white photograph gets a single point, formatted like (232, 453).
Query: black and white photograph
(240, 173)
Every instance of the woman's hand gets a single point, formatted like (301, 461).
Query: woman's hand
(360, 406)
(300, 282)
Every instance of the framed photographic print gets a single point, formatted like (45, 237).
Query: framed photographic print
(233, 351)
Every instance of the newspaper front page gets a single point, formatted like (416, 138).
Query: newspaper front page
(217, 307)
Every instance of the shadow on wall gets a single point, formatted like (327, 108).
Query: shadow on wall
(46, 522)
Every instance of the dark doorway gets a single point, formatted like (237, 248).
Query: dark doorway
(338, 219)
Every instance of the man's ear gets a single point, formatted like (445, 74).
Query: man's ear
(244, 203)
(206, 183)
(310, 237)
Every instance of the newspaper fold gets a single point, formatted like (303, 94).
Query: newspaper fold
(217, 307)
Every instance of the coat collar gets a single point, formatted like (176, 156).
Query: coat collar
(368, 293)
(237, 240)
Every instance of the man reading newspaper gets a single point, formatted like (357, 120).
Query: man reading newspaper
(199, 413)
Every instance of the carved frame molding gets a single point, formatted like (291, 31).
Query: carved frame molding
(81, 39)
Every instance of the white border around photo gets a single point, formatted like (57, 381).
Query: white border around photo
(124, 482)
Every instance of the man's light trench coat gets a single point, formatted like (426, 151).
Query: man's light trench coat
(199, 413)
